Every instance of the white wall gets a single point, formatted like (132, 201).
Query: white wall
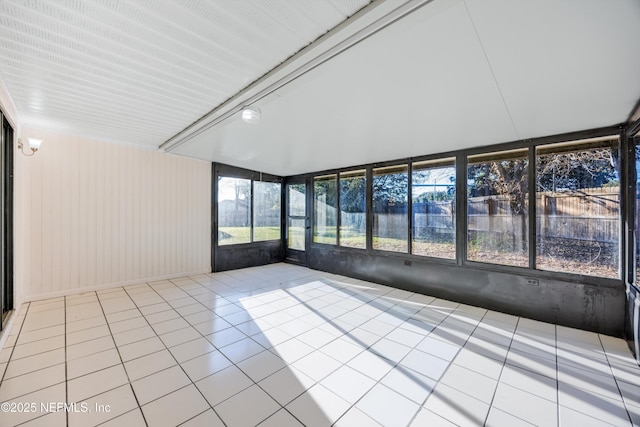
(92, 214)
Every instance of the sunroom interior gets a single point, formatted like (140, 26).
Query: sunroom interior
(453, 178)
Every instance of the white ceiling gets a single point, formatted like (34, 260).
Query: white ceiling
(140, 71)
(451, 74)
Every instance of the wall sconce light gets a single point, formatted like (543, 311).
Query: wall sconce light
(34, 145)
(251, 115)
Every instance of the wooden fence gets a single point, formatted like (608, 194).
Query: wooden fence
(587, 215)
(434, 219)
(590, 215)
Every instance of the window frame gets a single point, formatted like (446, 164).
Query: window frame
(353, 173)
(461, 208)
(249, 212)
(632, 209)
(391, 165)
(531, 271)
(253, 210)
(611, 142)
(326, 177)
(227, 171)
(433, 163)
(493, 156)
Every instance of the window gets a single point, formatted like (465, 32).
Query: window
(537, 204)
(248, 211)
(353, 209)
(390, 199)
(578, 207)
(325, 205)
(234, 210)
(497, 203)
(266, 211)
(296, 217)
(433, 193)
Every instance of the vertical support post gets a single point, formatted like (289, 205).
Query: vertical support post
(532, 207)
(461, 211)
(3, 220)
(338, 209)
(369, 203)
(214, 215)
(627, 207)
(409, 207)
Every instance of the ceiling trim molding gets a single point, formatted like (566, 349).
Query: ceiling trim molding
(319, 53)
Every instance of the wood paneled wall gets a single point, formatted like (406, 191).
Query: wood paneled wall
(92, 214)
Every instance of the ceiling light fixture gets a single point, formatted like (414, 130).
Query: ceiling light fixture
(251, 115)
(34, 145)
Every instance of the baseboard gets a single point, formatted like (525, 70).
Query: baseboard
(66, 292)
(4, 334)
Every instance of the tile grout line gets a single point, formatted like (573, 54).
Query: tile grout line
(397, 364)
(504, 363)
(207, 308)
(10, 358)
(388, 308)
(615, 378)
(40, 369)
(282, 407)
(600, 395)
(344, 333)
(66, 366)
(557, 359)
(451, 362)
(365, 349)
(13, 348)
(342, 329)
(241, 290)
(230, 361)
(280, 286)
(121, 362)
(172, 355)
(42, 415)
(526, 353)
(284, 287)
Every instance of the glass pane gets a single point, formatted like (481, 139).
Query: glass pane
(297, 207)
(390, 214)
(578, 208)
(353, 209)
(266, 211)
(234, 210)
(296, 234)
(325, 207)
(497, 220)
(433, 192)
(297, 200)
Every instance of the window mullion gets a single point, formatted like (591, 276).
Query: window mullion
(533, 201)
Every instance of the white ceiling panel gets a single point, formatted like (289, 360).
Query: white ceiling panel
(416, 87)
(453, 74)
(562, 65)
(140, 71)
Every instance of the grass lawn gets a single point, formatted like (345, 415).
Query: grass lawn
(235, 235)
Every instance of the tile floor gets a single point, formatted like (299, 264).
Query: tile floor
(282, 345)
